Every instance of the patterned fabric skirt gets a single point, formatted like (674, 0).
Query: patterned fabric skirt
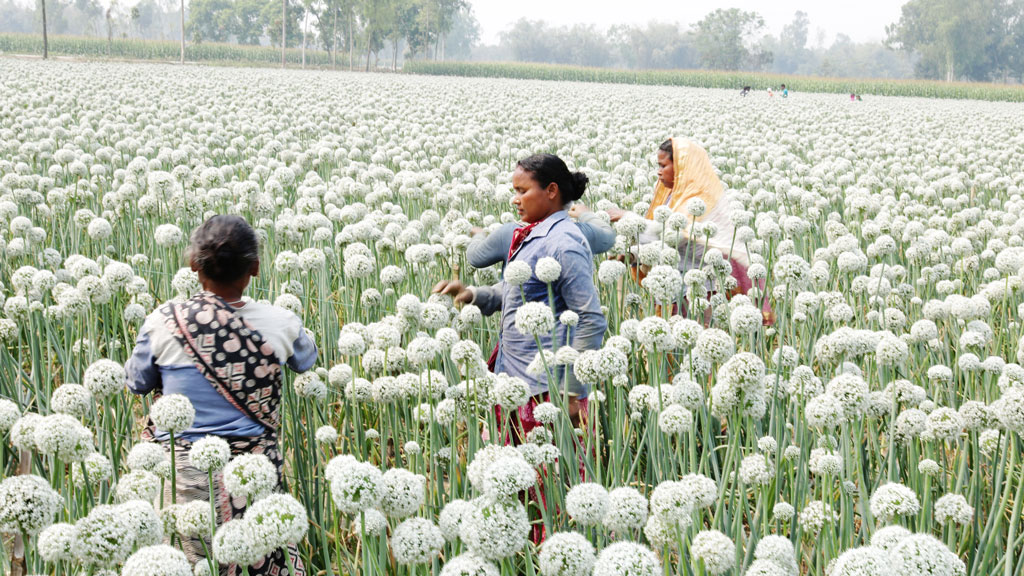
(193, 484)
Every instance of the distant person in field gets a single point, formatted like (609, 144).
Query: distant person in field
(785, 91)
(770, 92)
(745, 91)
(226, 354)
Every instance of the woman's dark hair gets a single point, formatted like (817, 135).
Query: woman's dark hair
(548, 168)
(224, 248)
(666, 147)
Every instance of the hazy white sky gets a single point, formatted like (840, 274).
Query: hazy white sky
(862, 20)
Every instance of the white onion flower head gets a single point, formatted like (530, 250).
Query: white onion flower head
(310, 385)
(416, 541)
(673, 503)
(451, 517)
(586, 503)
(63, 436)
(250, 476)
(138, 485)
(54, 544)
(235, 543)
(887, 537)
(210, 453)
(495, 530)
(517, 273)
(924, 555)
(714, 345)
(144, 522)
(371, 522)
(27, 504)
(192, 519)
(401, 492)
(326, 434)
(675, 420)
(534, 319)
(815, 515)
(508, 476)
(953, 508)
(9, 414)
(469, 564)
(146, 456)
(664, 283)
(159, 560)
(277, 520)
(355, 486)
(548, 270)
(627, 559)
(484, 459)
(862, 561)
(104, 537)
(626, 511)
(173, 413)
(72, 399)
(894, 499)
(103, 378)
(755, 470)
(783, 512)
(779, 551)
(566, 554)
(716, 550)
(765, 568)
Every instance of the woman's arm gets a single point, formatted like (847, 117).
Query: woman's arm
(599, 234)
(487, 298)
(487, 249)
(304, 352)
(142, 373)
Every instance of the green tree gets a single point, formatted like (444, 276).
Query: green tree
(962, 39)
(212, 20)
(725, 37)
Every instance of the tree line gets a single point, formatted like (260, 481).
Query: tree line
(979, 40)
(353, 31)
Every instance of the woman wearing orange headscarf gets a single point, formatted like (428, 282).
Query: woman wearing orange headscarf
(688, 186)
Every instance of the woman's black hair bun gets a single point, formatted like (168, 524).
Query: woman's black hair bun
(579, 181)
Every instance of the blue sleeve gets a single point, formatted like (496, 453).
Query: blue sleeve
(598, 233)
(488, 298)
(142, 373)
(577, 289)
(304, 353)
(485, 250)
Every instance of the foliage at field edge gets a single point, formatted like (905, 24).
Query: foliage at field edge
(160, 50)
(716, 79)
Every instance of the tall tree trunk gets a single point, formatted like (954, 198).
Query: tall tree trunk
(349, 41)
(368, 48)
(182, 31)
(334, 41)
(110, 31)
(284, 29)
(46, 45)
(394, 57)
(305, 23)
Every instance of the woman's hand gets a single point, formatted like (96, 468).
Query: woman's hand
(615, 214)
(578, 210)
(460, 293)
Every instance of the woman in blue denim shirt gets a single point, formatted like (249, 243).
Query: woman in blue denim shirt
(543, 185)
